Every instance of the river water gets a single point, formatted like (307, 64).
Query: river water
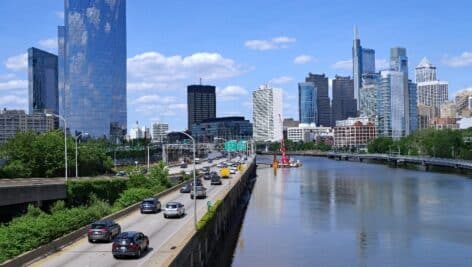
(339, 213)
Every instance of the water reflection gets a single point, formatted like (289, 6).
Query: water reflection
(333, 213)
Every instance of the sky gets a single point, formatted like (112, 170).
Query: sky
(239, 45)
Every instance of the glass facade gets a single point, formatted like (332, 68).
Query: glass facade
(368, 94)
(343, 104)
(412, 94)
(368, 60)
(42, 81)
(307, 103)
(201, 103)
(93, 83)
(228, 128)
(322, 98)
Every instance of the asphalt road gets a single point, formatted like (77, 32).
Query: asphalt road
(155, 226)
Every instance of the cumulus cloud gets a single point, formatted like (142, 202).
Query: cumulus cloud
(13, 102)
(302, 59)
(343, 64)
(50, 43)
(274, 43)
(381, 64)
(17, 63)
(281, 80)
(230, 93)
(156, 104)
(13, 85)
(463, 60)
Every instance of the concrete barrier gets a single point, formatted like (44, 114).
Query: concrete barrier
(57, 244)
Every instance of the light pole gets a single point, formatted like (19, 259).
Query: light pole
(194, 180)
(65, 140)
(76, 154)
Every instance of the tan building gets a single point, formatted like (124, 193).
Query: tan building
(463, 102)
(425, 115)
(448, 110)
(354, 132)
(14, 121)
(444, 123)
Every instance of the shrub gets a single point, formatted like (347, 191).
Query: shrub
(80, 192)
(57, 206)
(131, 196)
(208, 215)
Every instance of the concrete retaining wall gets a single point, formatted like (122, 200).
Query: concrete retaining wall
(31, 193)
(205, 246)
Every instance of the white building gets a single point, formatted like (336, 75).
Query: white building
(267, 114)
(138, 132)
(308, 132)
(465, 123)
(431, 92)
(159, 131)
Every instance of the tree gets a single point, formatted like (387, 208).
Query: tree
(380, 145)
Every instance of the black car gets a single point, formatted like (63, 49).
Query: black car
(103, 230)
(206, 170)
(216, 180)
(150, 205)
(207, 176)
(130, 244)
(186, 188)
(199, 182)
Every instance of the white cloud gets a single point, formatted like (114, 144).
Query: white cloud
(232, 113)
(343, 64)
(463, 60)
(13, 102)
(13, 85)
(274, 43)
(60, 14)
(50, 43)
(230, 93)
(162, 105)
(281, 80)
(17, 63)
(381, 64)
(302, 59)
(152, 70)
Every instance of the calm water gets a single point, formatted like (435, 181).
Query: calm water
(338, 213)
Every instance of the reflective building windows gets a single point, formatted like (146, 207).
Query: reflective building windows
(42, 81)
(307, 103)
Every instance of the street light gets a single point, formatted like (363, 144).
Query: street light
(65, 139)
(194, 180)
(76, 153)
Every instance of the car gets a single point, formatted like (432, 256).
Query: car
(198, 181)
(186, 188)
(207, 176)
(210, 161)
(216, 180)
(183, 165)
(220, 165)
(150, 205)
(121, 173)
(201, 192)
(103, 230)
(174, 209)
(206, 170)
(130, 244)
(233, 170)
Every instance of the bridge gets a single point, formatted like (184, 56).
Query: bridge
(398, 159)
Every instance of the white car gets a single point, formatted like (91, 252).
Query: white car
(174, 209)
(233, 170)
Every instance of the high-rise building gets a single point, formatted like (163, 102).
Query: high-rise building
(307, 102)
(139, 132)
(343, 105)
(322, 98)
(399, 60)
(425, 115)
(14, 121)
(267, 114)
(448, 109)
(363, 62)
(201, 103)
(431, 92)
(42, 81)
(159, 131)
(92, 74)
(412, 126)
(368, 94)
(462, 101)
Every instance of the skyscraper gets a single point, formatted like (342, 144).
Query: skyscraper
(201, 103)
(363, 62)
(267, 114)
(322, 98)
(431, 92)
(92, 75)
(42, 81)
(368, 94)
(307, 102)
(159, 131)
(343, 105)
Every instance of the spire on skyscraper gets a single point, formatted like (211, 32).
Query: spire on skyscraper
(356, 33)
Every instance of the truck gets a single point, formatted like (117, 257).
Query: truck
(224, 172)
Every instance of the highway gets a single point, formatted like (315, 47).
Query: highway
(159, 230)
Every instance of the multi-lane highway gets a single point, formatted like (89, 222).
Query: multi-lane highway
(159, 230)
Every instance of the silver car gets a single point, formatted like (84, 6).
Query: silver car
(201, 192)
(174, 209)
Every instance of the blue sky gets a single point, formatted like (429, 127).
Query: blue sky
(239, 45)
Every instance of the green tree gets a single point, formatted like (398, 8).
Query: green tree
(380, 145)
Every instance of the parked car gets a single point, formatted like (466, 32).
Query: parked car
(201, 192)
(121, 173)
(150, 205)
(186, 188)
(174, 209)
(103, 230)
(216, 180)
(130, 244)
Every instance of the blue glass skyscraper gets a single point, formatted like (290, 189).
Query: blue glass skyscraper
(42, 81)
(307, 102)
(363, 62)
(92, 79)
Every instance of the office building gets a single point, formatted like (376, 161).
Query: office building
(307, 102)
(368, 94)
(463, 101)
(201, 103)
(354, 133)
(425, 115)
(322, 98)
(363, 62)
(343, 104)
(42, 81)
(431, 92)
(14, 121)
(159, 132)
(139, 132)
(226, 128)
(267, 114)
(92, 67)
(308, 132)
(448, 109)
(289, 122)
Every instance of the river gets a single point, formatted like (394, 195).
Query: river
(338, 213)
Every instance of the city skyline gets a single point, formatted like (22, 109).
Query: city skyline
(236, 60)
